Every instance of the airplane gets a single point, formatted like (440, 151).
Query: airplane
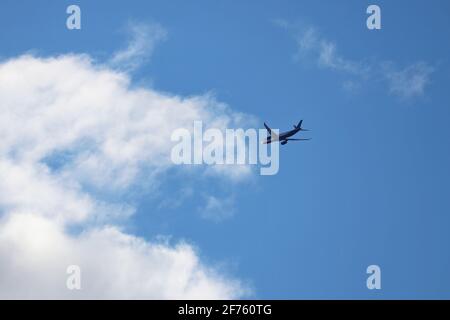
(284, 137)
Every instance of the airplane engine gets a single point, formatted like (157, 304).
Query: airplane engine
(283, 142)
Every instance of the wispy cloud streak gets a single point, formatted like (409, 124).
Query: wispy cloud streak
(143, 40)
(406, 83)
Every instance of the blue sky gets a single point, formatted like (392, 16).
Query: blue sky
(371, 187)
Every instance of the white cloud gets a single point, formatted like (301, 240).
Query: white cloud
(144, 38)
(35, 253)
(409, 82)
(176, 200)
(110, 137)
(217, 209)
(350, 86)
(311, 46)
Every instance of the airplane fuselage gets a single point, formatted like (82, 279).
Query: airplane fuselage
(283, 136)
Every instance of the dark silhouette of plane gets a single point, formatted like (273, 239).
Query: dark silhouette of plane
(284, 137)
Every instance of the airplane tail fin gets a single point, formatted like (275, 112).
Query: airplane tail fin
(299, 126)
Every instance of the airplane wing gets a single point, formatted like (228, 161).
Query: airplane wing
(298, 139)
(272, 134)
